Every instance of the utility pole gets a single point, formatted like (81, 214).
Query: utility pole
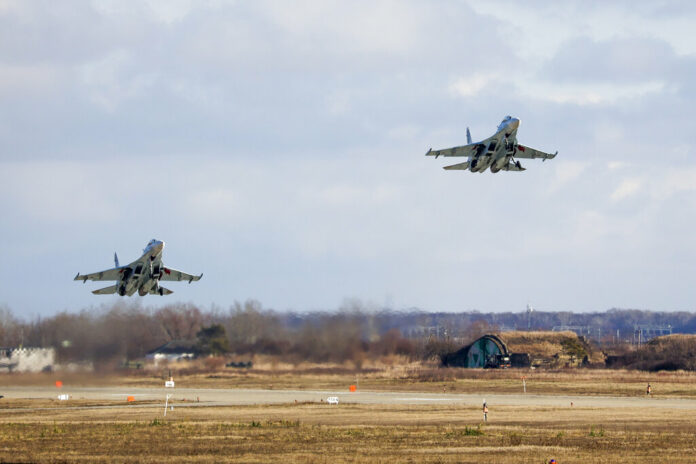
(529, 317)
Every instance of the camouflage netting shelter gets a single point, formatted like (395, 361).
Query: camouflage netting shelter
(524, 349)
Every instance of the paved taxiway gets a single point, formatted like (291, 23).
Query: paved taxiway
(232, 397)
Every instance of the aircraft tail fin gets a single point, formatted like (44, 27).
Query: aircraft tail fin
(116, 260)
(105, 291)
(461, 166)
(468, 137)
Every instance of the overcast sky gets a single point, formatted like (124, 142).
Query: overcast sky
(278, 147)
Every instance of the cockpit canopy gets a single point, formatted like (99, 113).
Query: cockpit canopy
(151, 242)
(505, 120)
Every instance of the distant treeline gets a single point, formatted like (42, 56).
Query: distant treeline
(128, 331)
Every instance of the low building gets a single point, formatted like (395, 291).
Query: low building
(27, 359)
(173, 351)
(525, 349)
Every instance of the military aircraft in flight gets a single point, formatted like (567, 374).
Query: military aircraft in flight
(497, 152)
(142, 275)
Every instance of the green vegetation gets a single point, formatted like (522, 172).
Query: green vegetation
(473, 432)
(212, 340)
(573, 347)
(596, 433)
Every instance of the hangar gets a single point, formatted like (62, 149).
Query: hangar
(525, 349)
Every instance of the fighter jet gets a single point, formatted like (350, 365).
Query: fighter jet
(142, 275)
(497, 152)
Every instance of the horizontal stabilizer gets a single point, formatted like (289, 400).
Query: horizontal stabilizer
(460, 166)
(516, 166)
(160, 291)
(105, 291)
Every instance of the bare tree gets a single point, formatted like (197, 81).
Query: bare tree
(180, 321)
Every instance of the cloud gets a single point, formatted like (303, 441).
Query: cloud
(108, 83)
(590, 94)
(472, 84)
(35, 81)
(614, 165)
(539, 28)
(627, 188)
(279, 148)
(566, 172)
(58, 192)
(626, 61)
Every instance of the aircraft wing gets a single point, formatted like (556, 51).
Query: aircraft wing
(464, 150)
(109, 274)
(172, 274)
(526, 152)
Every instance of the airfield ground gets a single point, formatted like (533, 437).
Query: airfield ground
(389, 419)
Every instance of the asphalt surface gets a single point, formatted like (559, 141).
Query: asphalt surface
(232, 397)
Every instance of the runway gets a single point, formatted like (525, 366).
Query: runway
(237, 397)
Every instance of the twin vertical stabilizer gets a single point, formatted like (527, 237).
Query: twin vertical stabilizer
(468, 137)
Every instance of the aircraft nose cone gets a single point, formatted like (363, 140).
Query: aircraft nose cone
(515, 123)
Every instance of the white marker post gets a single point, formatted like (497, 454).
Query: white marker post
(166, 403)
(524, 384)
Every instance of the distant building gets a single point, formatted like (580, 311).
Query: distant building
(27, 359)
(173, 351)
(525, 349)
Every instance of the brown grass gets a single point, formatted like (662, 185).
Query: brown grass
(346, 433)
(416, 377)
(546, 344)
(54, 431)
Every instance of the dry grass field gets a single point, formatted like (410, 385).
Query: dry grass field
(417, 377)
(52, 431)
(345, 433)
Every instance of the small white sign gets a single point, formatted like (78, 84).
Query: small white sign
(63, 397)
(332, 400)
(169, 384)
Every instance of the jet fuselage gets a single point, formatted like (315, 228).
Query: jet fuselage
(145, 275)
(498, 150)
